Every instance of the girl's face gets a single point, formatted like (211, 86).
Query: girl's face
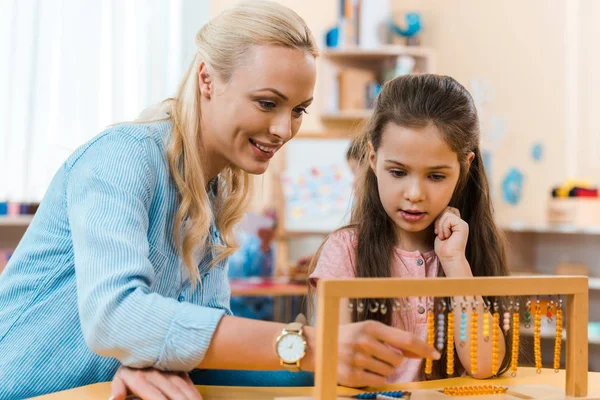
(416, 175)
(246, 121)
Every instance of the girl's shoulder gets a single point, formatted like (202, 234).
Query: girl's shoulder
(347, 236)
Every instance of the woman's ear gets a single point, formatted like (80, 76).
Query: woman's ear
(372, 157)
(205, 82)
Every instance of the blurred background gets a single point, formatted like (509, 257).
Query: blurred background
(70, 68)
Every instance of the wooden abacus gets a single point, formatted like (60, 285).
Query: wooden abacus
(330, 291)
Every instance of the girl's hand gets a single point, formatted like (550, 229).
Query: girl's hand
(452, 234)
(152, 384)
(369, 351)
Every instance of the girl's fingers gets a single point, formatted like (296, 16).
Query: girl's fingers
(410, 345)
(370, 363)
(387, 354)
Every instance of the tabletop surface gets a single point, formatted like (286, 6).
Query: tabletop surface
(525, 376)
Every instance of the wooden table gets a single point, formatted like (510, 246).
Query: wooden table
(267, 287)
(281, 289)
(525, 376)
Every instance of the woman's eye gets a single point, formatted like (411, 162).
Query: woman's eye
(437, 177)
(397, 173)
(267, 105)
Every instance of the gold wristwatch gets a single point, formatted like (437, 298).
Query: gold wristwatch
(291, 346)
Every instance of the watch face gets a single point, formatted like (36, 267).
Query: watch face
(291, 348)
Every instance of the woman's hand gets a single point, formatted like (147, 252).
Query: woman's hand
(451, 238)
(370, 351)
(152, 384)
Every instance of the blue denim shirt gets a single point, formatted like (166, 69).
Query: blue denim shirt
(96, 280)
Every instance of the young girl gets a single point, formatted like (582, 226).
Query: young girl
(421, 193)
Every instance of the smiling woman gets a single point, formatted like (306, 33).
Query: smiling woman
(124, 265)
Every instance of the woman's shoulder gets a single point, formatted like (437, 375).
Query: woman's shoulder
(141, 140)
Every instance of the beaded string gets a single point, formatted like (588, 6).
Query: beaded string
(474, 320)
(486, 321)
(430, 338)
(537, 349)
(495, 338)
(473, 390)
(558, 338)
(514, 360)
(450, 341)
(441, 322)
(506, 319)
(549, 307)
(527, 315)
(381, 395)
(463, 323)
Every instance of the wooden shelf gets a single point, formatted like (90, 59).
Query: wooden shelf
(350, 115)
(301, 234)
(21, 220)
(379, 52)
(562, 229)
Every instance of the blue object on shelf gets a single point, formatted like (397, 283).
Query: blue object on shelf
(332, 37)
(3, 208)
(413, 25)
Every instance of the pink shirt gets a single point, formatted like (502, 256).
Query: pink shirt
(338, 260)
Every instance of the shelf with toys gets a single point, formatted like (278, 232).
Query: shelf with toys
(352, 77)
(365, 49)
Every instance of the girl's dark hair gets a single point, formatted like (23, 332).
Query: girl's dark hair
(416, 101)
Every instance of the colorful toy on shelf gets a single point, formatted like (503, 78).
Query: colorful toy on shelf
(575, 188)
(412, 21)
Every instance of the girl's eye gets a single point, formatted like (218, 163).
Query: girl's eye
(267, 105)
(397, 173)
(300, 110)
(437, 177)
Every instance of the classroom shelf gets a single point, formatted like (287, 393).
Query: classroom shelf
(562, 229)
(379, 52)
(21, 220)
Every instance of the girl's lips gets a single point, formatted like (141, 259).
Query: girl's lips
(412, 216)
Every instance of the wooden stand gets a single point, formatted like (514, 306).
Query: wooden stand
(330, 291)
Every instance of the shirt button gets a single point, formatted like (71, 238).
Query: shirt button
(419, 261)
(181, 298)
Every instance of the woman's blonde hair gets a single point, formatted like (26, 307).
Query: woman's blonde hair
(222, 44)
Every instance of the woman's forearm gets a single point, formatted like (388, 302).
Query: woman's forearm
(240, 343)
